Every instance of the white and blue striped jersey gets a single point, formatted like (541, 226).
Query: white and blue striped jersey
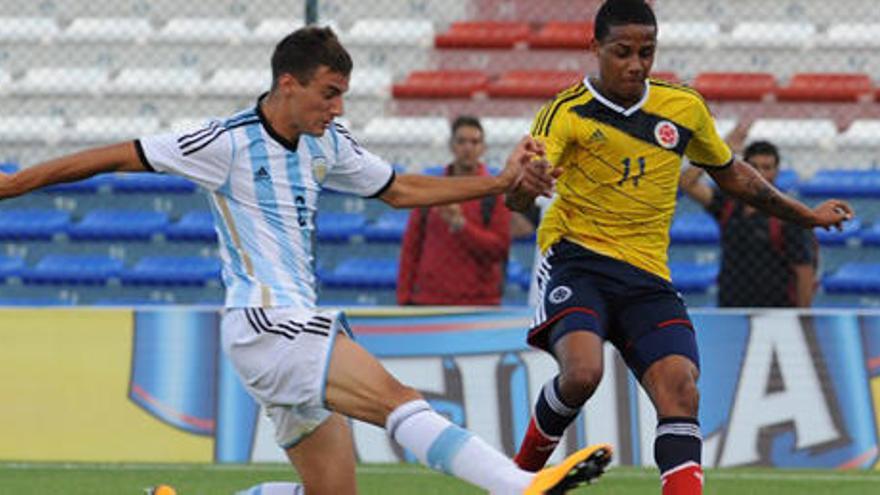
(263, 191)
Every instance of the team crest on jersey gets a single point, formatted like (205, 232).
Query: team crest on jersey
(666, 134)
(319, 168)
(560, 294)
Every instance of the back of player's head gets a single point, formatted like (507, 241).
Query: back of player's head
(761, 148)
(466, 121)
(301, 52)
(622, 12)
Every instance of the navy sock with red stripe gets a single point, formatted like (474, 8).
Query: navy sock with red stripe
(551, 417)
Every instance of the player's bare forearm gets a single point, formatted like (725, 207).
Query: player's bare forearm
(745, 183)
(414, 191)
(120, 157)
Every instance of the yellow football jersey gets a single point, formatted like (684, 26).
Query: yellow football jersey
(616, 195)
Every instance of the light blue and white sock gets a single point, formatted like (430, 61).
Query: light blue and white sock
(274, 488)
(441, 445)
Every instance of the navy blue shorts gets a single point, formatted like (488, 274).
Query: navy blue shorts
(640, 313)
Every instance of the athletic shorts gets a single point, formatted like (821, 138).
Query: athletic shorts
(641, 314)
(282, 356)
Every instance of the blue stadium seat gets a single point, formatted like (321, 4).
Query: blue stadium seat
(435, 170)
(33, 224)
(843, 183)
(693, 277)
(11, 266)
(340, 227)
(363, 273)
(694, 228)
(518, 274)
(87, 186)
(854, 277)
(34, 301)
(173, 270)
(119, 225)
(787, 180)
(194, 226)
(871, 235)
(73, 269)
(834, 238)
(389, 227)
(9, 168)
(158, 183)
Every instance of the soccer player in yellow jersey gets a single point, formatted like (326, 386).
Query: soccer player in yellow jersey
(615, 144)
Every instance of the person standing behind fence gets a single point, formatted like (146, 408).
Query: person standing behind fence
(456, 254)
(765, 261)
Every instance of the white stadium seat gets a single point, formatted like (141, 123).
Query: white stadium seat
(802, 133)
(406, 131)
(28, 29)
(110, 129)
(104, 29)
(272, 30)
(62, 81)
(862, 133)
(33, 129)
(690, 34)
(374, 83)
(505, 130)
(368, 32)
(771, 34)
(140, 81)
(202, 30)
(238, 82)
(858, 36)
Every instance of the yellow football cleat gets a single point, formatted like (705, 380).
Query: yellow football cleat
(583, 466)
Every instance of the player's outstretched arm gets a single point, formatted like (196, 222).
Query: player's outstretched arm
(413, 191)
(122, 157)
(744, 182)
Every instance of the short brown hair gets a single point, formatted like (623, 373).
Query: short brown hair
(301, 52)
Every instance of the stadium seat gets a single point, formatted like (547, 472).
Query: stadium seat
(808, 133)
(519, 275)
(87, 186)
(694, 228)
(370, 83)
(108, 29)
(689, 34)
(441, 84)
(771, 35)
(870, 236)
(851, 35)
(814, 87)
(173, 270)
(754, 86)
(340, 227)
(43, 224)
(693, 277)
(505, 130)
(390, 32)
(73, 269)
(58, 81)
(861, 133)
(272, 30)
(532, 84)
(28, 29)
(193, 226)
(237, 82)
(11, 266)
(842, 183)
(787, 180)
(202, 30)
(121, 225)
(31, 129)
(834, 238)
(9, 168)
(558, 34)
(389, 227)
(142, 81)
(150, 183)
(363, 273)
(111, 129)
(854, 278)
(485, 34)
(407, 131)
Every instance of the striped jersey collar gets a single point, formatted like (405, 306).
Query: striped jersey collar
(291, 145)
(614, 106)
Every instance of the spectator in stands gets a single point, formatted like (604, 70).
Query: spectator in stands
(765, 261)
(263, 168)
(456, 254)
(615, 141)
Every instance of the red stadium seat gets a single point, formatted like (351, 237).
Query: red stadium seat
(483, 35)
(667, 76)
(563, 35)
(735, 86)
(532, 83)
(826, 87)
(441, 84)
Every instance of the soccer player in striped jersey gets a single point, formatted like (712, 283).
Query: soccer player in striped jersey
(263, 169)
(615, 142)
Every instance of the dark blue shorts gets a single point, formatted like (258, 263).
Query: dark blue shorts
(640, 313)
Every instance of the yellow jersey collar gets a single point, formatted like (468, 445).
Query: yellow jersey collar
(614, 106)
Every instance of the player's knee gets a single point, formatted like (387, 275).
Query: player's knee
(680, 396)
(580, 381)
